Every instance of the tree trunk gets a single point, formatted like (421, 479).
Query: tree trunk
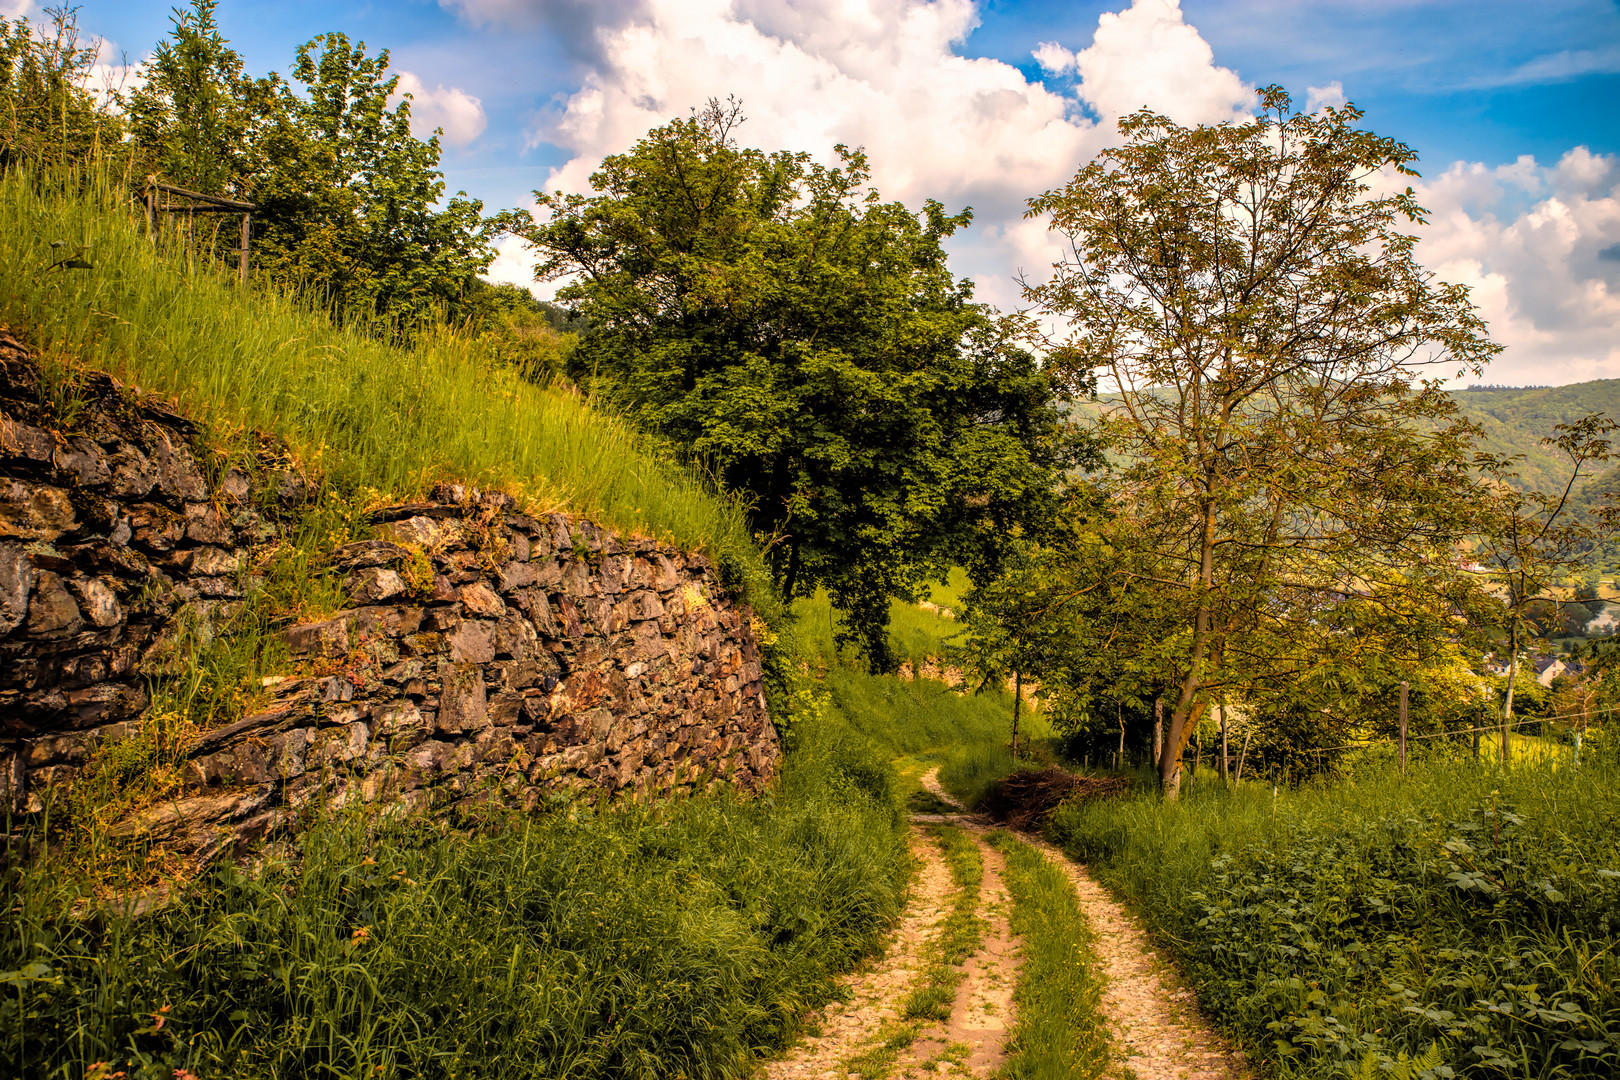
(1238, 779)
(1119, 715)
(1226, 762)
(1158, 731)
(1180, 732)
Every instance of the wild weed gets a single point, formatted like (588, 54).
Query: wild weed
(1460, 907)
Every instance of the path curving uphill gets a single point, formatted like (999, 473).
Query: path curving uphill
(1155, 1021)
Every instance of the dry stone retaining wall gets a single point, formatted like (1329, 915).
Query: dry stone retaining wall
(484, 652)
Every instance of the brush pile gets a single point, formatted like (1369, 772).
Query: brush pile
(1025, 799)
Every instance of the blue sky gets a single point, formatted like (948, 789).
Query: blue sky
(951, 101)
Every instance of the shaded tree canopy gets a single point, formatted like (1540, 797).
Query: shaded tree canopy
(782, 322)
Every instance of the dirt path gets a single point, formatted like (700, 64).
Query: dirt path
(1155, 1020)
(874, 994)
(972, 1041)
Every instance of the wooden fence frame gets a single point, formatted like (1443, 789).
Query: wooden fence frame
(199, 204)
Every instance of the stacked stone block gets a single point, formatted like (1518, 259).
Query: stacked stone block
(484, 653)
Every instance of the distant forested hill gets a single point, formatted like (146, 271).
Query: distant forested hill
(1517, 419)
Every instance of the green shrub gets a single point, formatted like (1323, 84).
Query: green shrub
(1458, 907)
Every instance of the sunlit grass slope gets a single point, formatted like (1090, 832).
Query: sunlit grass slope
(365, 413)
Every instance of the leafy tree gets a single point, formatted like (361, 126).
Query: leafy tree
(347, 194)
(196, 113)
(530, 335)
(348, 199)
(782, 322)
(1264, 331)
(1065, 612)
(48, 112)
(1535, 546)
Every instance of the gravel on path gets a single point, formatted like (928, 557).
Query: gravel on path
(1155, 1020)
(875, 993)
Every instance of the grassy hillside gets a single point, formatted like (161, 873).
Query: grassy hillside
(366, 414)
(1514, 420)
(681, 938)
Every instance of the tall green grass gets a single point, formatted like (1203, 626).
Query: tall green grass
(1336, 927)
(366, 413)
(675, 940)
(915, 634)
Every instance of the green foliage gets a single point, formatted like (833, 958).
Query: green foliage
(196, 113)
(534, 338)
(365, 414)
(1460, 907)
(48, 114)
(1274, 452)
(781, 322)
(671, 940)
(903, 718)
(1061, 1033)
(349, 196)
(348, 199)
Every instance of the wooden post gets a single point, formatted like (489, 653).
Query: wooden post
(1238, 779)
(1158, 730)
(1405, 686)
(1226, 762)
(247, 231)
(1018, 697)
(151, 214)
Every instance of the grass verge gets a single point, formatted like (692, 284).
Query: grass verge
(1060, 1033)
(676, 940)
(1459, 915)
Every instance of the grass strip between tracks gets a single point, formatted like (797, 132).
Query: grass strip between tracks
(1060, 1033)
(958, 937)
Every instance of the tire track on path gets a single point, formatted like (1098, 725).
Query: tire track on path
(875, 993)
(1155, 1021)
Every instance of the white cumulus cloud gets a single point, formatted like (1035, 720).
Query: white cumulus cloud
(451, 109)
(886, 75)
(1318, 96)
(1147, 56)
(1539, 246)
(1053, 58)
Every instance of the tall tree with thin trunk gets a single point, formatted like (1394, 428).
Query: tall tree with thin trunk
(1537, 541)
(1251, 308)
